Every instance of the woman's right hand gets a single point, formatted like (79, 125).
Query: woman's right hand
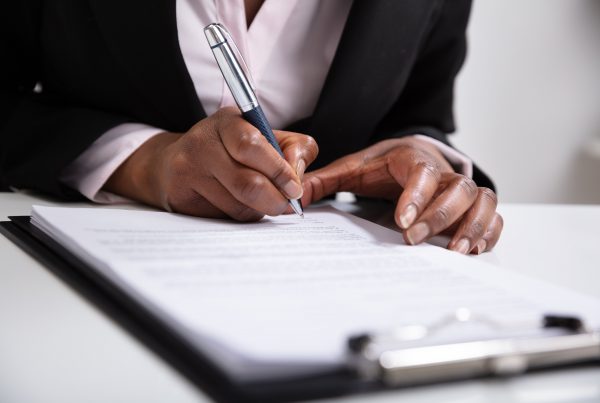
(223, 166)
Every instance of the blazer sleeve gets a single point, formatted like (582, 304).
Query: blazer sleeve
(426, 104)
(40, 133)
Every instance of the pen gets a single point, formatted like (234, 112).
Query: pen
(239, 84)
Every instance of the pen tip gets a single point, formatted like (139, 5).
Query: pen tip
(297, 207)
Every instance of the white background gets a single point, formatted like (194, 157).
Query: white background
(528, 98)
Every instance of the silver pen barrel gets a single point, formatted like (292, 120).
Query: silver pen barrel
(238, 81)
(231, 68)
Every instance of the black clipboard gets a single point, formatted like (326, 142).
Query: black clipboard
(162, 339)
(158, 336)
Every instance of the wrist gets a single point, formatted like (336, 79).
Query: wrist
(139, 177)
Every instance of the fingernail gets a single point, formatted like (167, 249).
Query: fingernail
(408, 216)
(480, 247)
(462, 246)
(300, 168)
(293, 189)
(417, 233)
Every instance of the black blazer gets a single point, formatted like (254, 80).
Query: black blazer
(102, 63)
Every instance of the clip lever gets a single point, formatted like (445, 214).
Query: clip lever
(398, 361)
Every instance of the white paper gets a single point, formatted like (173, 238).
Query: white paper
(282, 296)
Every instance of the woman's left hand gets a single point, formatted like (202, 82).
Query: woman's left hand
(430, 197)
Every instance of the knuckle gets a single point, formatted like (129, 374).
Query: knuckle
(172, 196)
(467, 185)
(429, 169)
(489, 194)
(418, 155)
(248, 143)
(275, 209)
(180, 165)
(418, 199)
(177, 196)
(225, 119)
(245, 214)
(251, 187)
(476, 228)
(441, 217)
(200, 140)
(173, 187)
(311, 144)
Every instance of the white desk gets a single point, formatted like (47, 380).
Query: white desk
(56, 347)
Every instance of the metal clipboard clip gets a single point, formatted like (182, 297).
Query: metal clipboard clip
(403, 356)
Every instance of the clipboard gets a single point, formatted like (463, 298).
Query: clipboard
(376, 361)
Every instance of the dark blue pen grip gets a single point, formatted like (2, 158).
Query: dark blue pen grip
(257, 118)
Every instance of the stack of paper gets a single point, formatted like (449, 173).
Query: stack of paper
(280, 297)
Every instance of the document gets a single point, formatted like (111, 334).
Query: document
(281, 296)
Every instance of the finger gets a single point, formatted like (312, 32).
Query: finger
(490, 239)
(307, 194)
(249, 187)
(190, 202)
(250, 148)
(364, 172)
(217, 195)
(446, 209)
(299, 150)
(329, 179)
(474, 225)
(421, 185)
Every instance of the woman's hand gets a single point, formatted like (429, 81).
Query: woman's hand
(223, 166)
(430, 197)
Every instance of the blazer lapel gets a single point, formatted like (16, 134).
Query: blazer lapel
(376, 52)
(142, 35)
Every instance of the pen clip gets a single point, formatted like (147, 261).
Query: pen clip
(238, 55)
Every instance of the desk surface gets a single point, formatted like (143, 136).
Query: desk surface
(56, 347)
